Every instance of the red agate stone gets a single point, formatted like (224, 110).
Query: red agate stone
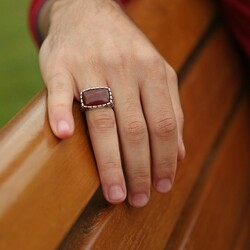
(95, 97)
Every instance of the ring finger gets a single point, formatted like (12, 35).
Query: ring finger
(103, 134)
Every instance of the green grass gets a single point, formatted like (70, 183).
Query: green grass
(19, 72)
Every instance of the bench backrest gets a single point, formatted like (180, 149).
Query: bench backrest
(49, 188)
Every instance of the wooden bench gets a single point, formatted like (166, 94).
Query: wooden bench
(50, 195)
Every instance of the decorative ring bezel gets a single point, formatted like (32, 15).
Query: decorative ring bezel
(108, 104)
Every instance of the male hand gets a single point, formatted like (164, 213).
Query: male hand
(94, 44)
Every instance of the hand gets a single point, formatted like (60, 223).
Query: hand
(93, 44)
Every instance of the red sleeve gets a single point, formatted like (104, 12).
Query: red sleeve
(34, 9)
(237, 13)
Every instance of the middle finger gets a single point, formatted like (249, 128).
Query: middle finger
(134, 140)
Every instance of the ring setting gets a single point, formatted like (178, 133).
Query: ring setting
(97, 97)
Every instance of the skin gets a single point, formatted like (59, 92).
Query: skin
(136, 144)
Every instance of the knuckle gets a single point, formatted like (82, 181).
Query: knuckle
(135, 131)
(90, 59)
(60, 105)
(111, 166)
(165, 126)
(167, 166)
(118, 59)
(162, 76)
(157, 62)
(165, 169)
(141, 177)
(103, 122)
(149, 58)
(58, 83)
(152, 64)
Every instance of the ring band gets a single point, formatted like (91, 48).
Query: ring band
(97, 97)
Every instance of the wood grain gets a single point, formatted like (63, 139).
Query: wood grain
(225, 192)
(242, 239)
(217, 206)
(44, 182)
(173, 26)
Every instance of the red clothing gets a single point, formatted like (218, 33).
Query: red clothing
(237, 13)
(35, 7)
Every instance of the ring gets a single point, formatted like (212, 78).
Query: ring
(97, 97)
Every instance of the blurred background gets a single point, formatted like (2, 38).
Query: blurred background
(19, 72)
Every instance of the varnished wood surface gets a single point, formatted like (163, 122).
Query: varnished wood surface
(173, 26)
(217, 212)
(226, 204)
(242, 241)
(46, 183)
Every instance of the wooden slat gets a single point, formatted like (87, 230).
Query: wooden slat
(216, 214)
(242, 237)
(173, 26)
(228, 198)
(150, 227)
(46, 183)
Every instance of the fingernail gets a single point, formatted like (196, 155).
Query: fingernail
(139, 200)
(164, 185)
(63, 126)
(116, 193)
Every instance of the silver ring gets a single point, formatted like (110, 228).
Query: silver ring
(97, 97)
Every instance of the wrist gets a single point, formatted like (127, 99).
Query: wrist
(43, 20)
(50, 9)
(34, 11)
